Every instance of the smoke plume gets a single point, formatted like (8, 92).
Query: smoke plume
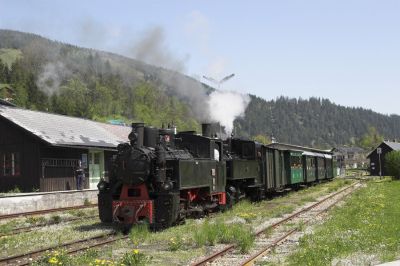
(226, 106)
(153, 49)
(51, 77)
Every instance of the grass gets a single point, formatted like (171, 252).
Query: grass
(193, 239)
(365, 228)
(50, 236)
(211, 233)
(139, 234)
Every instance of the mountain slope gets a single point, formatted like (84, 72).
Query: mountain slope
(63, 78)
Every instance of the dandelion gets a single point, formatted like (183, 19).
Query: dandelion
(53, 260)
(135, 251)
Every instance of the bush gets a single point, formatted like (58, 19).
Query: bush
(135, 257)
(55, 219)
(176, 243)
(139, 234)
(392, 164)
(220, 232)
(55, 257)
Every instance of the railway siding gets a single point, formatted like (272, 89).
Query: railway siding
(364, 231)
(270, 236)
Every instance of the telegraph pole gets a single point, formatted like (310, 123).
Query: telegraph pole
(379, 151)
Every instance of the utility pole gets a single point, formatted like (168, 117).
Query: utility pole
(379, 151)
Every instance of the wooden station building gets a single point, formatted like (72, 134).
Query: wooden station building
(377, 161)
(40, 151)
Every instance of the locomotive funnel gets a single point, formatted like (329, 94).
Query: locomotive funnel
(137, 134)
(206, 130)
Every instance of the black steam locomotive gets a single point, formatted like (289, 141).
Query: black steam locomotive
(162, 177)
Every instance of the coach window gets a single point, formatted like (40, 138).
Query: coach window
(295, 161)
(11, 164)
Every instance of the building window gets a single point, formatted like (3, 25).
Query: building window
(11, 164)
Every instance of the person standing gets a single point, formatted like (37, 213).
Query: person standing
(79, 175)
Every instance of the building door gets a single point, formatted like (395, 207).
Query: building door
(96, 167)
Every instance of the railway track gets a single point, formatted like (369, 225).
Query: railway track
(70, 247)
(26, 229)
(271, 236)
(15, 215)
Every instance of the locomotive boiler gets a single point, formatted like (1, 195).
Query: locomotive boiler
(161, 177)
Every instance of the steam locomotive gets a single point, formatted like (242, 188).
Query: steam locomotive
(162, 177)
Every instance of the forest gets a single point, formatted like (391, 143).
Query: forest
(41, 74)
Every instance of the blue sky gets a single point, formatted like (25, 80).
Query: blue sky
(346, 51)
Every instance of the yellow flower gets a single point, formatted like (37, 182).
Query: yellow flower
(135, 251)
(53, 260)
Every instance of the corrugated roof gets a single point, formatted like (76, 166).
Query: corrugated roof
(63, 130)
(285, 146)
(394, 145)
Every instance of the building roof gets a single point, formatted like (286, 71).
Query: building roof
(285, 146)
(61, 130)
(393, 145)
(345, 150)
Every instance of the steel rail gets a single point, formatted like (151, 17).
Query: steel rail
(31, 228)
(18, 259)
(15, 215)
(230, 247)
(266, 249)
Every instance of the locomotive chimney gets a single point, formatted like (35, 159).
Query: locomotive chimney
(206, 130)
(137, 134)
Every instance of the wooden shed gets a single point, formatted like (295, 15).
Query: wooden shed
(39, 150)
(376, 162)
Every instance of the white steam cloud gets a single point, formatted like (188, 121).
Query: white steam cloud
(51, 77)
(226, 106)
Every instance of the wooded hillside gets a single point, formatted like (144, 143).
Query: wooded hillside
(41, 74)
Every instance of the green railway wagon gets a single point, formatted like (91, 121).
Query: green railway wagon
(280, 180)
(335, 168)
(329, 166)
(268, 168)
(294, 167)
(309, 167)
(321, 171)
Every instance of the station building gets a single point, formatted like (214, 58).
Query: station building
(377, 161)
(40, 151)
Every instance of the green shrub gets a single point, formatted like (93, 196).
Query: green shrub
(176, 243)
(220, 232)
(15, 190)
(55, 219)
(139, 233)
(392, 163)
(55, 257)
(87, 202)
(35, 220)
(135, 257)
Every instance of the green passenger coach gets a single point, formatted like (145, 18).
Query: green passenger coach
(309, 166)
(294, 167)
